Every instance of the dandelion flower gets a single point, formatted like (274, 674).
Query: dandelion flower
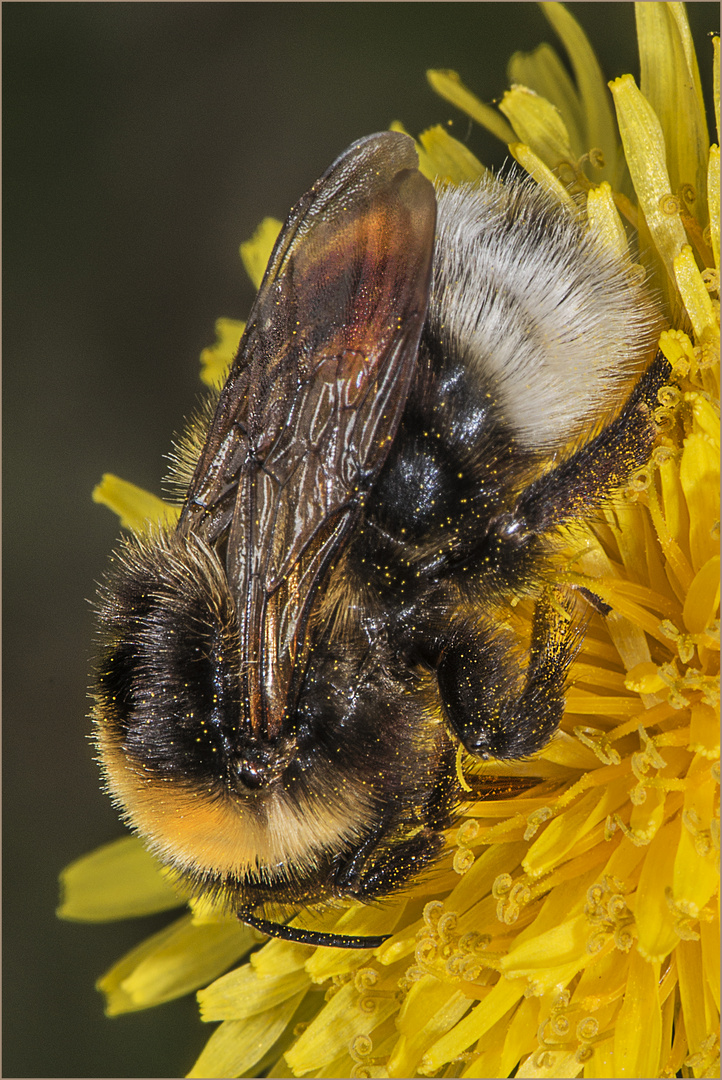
(573, 929)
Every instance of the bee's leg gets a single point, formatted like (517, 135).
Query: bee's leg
(349, 866)
(366, 873)
(495, 711)
(567, 492)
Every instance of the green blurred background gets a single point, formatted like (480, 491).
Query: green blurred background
(142, 143)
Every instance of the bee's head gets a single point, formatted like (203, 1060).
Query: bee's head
(213, 800)
(167, 683)
(169, 728)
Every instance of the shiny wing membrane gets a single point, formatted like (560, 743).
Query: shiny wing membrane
(313, 401)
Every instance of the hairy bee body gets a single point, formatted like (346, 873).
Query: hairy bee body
(418, 404)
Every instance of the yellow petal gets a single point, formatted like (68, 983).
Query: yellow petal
(451, 160)
(696, 875)
(694, 294)
(706, 420)
(629, 640)
(450, 87)
(429, 1010)
(237, 1045)
(713, 200)
(698, 1025)
(551, 958)
(674, 552)
(677, 348)
(256, 252)
(602, 982)
(659, 594)
(655, 920)
(205, 909)
(278, 954)
(676, 515)
(426, 166)
(477, 882)
(542, 174)
(679, 14)
(553, 948)
(520, 1036)
(217, 359)
(244, 992)
(364, 921)
(488, 1062)
(172, 963)
(136, 508)
(709, 937)
(630, 538)
(645, 679)
(569, 752)
(670, 83)
(647, 817)
(702, 601)
(605, 223)
(599, 130)
(554, 1063)
(704, 731)
(638, 1029)
(601, 1063)
(543, 72)
(699, 474)
(644, 150)
(715, 77)
(539, 124)
(584, 703)
(561, 834)
(500, 999)
(117, 881)
(341, 1021)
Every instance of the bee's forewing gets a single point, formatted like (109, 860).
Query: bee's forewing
(313, 401)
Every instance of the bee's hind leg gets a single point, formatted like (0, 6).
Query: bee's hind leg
(605, 463)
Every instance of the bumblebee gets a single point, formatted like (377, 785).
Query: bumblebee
(431, 382)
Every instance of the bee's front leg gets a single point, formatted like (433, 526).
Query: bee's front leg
(385, 860)
(496, 711)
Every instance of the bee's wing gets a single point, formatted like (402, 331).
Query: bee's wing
(313, 401)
